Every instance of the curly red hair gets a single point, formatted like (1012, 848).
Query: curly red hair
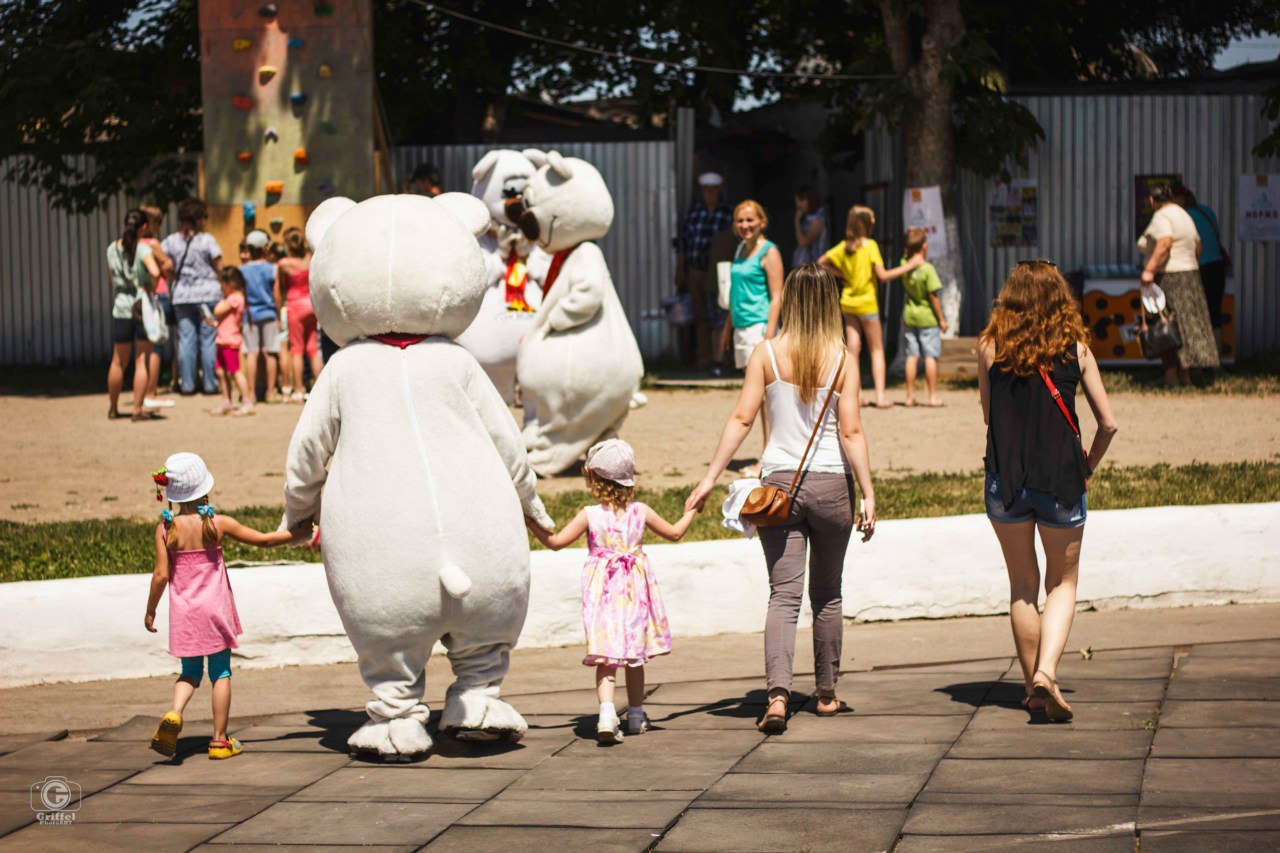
(1035, 321)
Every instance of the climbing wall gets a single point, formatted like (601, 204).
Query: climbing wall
(288, 99)
(1110, 308)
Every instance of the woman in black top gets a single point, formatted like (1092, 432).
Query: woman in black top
(1036, 467)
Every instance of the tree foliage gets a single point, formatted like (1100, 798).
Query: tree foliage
(115, 79)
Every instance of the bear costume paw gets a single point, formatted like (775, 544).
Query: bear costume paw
(401, 739)
(479, 715)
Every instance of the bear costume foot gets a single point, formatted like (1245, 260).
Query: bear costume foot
(478, 715)
(401, 739)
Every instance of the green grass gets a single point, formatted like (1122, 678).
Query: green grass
(79, 548)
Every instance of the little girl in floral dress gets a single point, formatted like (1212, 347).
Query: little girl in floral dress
(622, 611)
(203, 622)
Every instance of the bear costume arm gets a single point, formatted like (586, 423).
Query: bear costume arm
(585, 282)
(506, 438)
(310, 449)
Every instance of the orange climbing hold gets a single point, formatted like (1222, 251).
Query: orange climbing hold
(240, 102)
(244, 156)
(275, 187)
(300, 156)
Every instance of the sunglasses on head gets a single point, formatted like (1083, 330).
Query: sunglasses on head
(1031, 261)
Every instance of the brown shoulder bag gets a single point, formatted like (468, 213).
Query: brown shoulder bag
(770, 506)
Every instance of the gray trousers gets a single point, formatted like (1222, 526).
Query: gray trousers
(821, 523)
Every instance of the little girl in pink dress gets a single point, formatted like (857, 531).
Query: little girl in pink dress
(203, 622)
(622, 611)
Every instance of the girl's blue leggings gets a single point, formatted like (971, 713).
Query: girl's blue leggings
(219, 666)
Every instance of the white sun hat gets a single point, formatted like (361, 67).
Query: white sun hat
(613, 459)
(187, 478)
(1153, 298)
(711, 179)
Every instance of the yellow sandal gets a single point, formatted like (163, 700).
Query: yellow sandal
(165, 740)
(228, 748)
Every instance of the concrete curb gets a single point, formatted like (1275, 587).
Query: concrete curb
(86, 629)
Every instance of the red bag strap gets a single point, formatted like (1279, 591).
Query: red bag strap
(1057, 398)
(818, 424)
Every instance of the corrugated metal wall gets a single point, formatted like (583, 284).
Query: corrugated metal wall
(55, 294)
(1093, 147)
(641, 176)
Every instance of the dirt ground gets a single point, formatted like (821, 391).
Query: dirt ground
(61, 459)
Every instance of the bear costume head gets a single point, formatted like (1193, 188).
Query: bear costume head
(500, 178)
(374, 273)
(566, 203)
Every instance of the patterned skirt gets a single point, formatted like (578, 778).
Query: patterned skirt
(1184, 294)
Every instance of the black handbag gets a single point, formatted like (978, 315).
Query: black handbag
(1161, 337)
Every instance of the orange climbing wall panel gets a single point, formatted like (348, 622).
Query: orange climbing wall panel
(1111, 310)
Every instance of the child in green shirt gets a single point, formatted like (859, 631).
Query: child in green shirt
(922, 320)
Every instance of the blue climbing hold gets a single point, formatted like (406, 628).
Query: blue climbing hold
(298, 98)
(250, 211)
(297, 42)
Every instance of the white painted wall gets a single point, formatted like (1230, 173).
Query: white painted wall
(87, 629)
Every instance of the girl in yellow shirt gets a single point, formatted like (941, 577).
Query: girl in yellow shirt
(857, 259)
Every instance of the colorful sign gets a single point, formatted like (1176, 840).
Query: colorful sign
(1013, 218)
(1259, 215)
(922, 208)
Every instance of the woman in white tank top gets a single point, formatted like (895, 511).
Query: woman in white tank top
(789, 378)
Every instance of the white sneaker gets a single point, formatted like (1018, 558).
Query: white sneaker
(637, 725)
(609, 729)
(153, 403)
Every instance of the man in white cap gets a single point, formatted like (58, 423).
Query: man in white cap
(694, 274)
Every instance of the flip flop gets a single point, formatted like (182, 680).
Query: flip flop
(1055, 707)
(840, 708)
(910, 403)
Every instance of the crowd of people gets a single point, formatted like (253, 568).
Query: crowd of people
(242, 332)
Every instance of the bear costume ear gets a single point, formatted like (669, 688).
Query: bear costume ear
(473, 213)
(536, 156)
(323, 216)
(482, 169)
(559, 165)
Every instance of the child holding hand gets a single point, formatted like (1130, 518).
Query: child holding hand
(622, 611)
(922, 320)
(203, 622)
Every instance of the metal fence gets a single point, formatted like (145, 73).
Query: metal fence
(1084, 168)
(55, 295)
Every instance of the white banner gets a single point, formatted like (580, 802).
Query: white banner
(1259, 214)
(922, 208)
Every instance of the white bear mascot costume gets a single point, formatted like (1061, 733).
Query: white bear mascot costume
(424, 476)
(507, 313)
(580, 359)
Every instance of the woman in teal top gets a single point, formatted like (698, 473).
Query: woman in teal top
(756, 294)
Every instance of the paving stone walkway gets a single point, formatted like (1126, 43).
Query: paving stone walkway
(1173, 750)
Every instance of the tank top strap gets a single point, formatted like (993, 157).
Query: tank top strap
(768, 345)
(835, 369)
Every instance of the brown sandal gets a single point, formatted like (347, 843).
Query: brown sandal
(840, 707)
(771, 723)
(1055, 707)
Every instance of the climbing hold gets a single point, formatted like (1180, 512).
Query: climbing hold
(274, 187)
(323, 10)
(241, 44)
(271, 135)
(325, 188)
(328, 127)
(268, 10)
(250, 212)
(325, 71)
(266, 72)
(244, 156)
(296, 41)
(240, 102)
(300, 156)
(276, 224)
(298, 98)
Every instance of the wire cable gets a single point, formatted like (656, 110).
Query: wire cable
(711, 69)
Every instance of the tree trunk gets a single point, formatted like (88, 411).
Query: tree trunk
(929, 144)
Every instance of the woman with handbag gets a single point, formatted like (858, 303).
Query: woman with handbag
(1172, 245)
(815, 449)
(1033, 355)
(132, 269)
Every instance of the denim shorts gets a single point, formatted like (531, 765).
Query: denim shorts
(1032, 505)
(923, 341)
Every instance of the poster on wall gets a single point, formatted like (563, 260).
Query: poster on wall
(1012, 215)
(1142, 187)
(1259, 215)
(922, 208)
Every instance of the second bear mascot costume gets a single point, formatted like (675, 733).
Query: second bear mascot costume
(424, 476)
(580, 359)
(514, 294)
